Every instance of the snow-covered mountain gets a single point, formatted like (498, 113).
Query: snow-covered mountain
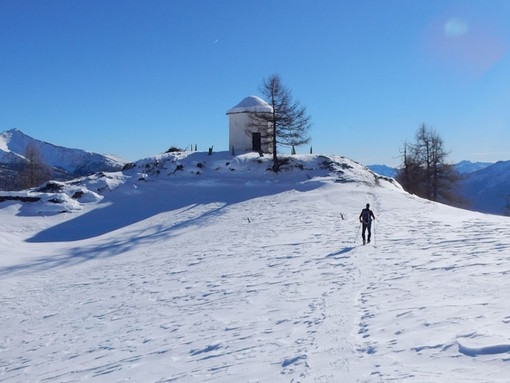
(467, 167)
(488, 190)
(463, 167)
(77, 162)
(485, 186)
(191, 268)
(384, 170)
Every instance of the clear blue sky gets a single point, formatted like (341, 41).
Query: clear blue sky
(133, 78)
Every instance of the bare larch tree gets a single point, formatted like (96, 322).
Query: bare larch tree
(424, 170)
(35, 171)
(288, 122)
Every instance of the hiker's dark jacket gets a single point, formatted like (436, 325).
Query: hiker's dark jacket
(366, 216)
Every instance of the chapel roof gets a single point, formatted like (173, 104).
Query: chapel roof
(251, 104)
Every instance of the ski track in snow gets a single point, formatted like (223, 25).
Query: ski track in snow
(268, 289)
(425, 294)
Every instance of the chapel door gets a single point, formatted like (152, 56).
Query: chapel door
(256, 142)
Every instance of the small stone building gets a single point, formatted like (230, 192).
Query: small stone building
(243, 135)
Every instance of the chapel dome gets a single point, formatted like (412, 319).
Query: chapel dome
(251, 104)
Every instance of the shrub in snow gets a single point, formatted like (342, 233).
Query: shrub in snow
(78, 194)
(51, 187)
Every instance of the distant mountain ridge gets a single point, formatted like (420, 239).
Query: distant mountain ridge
(488, 189)
(13, 144)
(64, 162)
(485, 186)
(466, 167)
(384, 170)
(463, 167)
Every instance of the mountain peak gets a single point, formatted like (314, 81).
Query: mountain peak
(74, 162)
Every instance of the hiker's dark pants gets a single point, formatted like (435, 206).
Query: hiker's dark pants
(367, 227)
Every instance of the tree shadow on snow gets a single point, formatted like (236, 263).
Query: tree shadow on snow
(122, 209)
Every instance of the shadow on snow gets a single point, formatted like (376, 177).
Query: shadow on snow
(122, 209)
(340, 252)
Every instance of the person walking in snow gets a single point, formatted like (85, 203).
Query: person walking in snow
(365, 218)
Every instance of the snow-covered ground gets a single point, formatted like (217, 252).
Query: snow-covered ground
(196, 268)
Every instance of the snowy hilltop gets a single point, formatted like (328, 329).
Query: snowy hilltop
(74, 162)
(199, 169)
(189, 268)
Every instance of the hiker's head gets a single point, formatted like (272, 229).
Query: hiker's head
(368, 205)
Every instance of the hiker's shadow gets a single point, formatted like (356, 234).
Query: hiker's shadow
(338, 254)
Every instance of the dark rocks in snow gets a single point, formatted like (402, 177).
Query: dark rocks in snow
(78, 194)
(174, 149)
(4, 198)
(51, 187)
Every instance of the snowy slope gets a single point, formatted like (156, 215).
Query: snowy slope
(13, 144)
(195, 268)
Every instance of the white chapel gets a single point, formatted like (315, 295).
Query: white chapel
(243, 136)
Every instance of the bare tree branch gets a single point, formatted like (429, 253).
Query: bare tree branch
(288, 124)
(424, 170)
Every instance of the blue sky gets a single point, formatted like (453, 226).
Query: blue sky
(133, 78)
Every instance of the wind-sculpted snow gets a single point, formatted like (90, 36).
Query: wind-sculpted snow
(488, 350)
(237, 274)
